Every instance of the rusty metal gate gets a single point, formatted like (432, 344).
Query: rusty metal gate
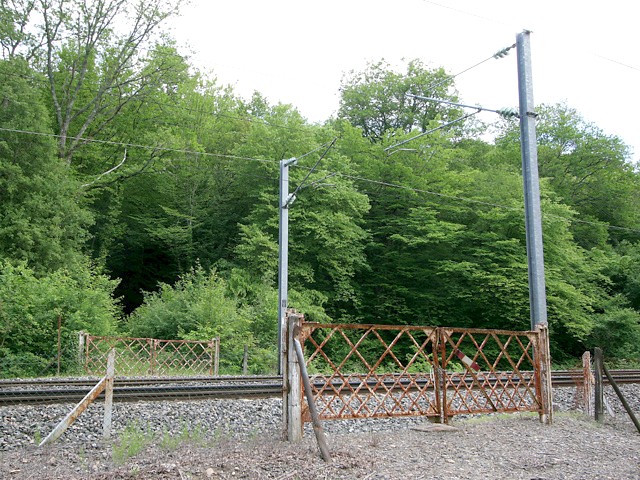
(150, 356)
(368, 371)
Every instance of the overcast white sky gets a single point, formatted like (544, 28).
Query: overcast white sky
(585, 53)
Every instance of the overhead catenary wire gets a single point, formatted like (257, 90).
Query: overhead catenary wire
(499, 54)
(472, 200)
(142, 146)
(330, 144)
(343, 175)
(617, 62)
(440, 127)
(301, 184)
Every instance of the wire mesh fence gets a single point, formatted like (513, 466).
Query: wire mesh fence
(81, 354)
(153, 357)
(60, 360)
(182, 400)
(155, 387)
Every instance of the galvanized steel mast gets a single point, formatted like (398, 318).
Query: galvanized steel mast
(283, 257)
(533, 215)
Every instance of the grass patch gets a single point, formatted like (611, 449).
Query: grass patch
(132, 441)
(186, 435)
(135, 438)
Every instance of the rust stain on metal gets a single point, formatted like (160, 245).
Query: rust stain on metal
(369, 371)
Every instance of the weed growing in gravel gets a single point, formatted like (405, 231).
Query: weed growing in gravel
(579, 416)
(198, 435)
(194, 436)
(219, 435)
(476, 419)
(132, 441)
(168, 441)
(253, 433)
(37, 437)
(82, 457)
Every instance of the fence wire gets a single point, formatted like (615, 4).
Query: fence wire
(164, 390)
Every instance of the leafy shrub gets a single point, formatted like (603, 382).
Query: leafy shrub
(617, 332)
(30, 307)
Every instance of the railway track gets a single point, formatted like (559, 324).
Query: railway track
(72, 390)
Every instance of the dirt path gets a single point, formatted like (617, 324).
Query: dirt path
(501, 447)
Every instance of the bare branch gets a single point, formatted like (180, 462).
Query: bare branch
(108, 171)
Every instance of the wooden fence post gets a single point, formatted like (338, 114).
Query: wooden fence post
(72, 416)
(211, 347)
(216, 358)
(587, 386)
(245, 360)
(544, 364)
(625, 404)
(315, 417)
(108, 394)
(81, 344)
(152, 349)
(59, 342)
(292, 391)
(599, 400)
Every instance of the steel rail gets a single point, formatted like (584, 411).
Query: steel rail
(559, 377)
(155, 389)
(143, 393)
(135, 381)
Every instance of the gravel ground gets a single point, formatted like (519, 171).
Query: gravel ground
(241, 439)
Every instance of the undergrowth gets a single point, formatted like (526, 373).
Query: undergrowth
(136, 438)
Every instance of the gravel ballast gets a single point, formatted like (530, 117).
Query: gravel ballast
(241, 439)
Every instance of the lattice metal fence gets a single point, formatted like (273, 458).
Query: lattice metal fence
(371, 371)
(366, 371)
(488, 371)
(151, 357)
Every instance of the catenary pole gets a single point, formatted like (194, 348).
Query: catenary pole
(533, 215)
(283, 254)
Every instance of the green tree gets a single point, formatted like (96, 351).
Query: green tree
(92, 55)
(15, 37)
(622, 266)
(378, 99)
(617, 332)
(326, 241)
(588, 169)
(42, 220)
(186, 207)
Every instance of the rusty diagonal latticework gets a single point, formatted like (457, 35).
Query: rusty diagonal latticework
(367, 371)
(149, 356)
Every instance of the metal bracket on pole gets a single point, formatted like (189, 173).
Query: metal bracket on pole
(290, 199)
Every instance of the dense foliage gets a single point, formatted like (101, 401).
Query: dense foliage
(140, 197)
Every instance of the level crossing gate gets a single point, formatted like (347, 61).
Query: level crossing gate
(374, 371)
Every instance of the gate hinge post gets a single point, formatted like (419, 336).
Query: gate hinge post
(292, 392)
